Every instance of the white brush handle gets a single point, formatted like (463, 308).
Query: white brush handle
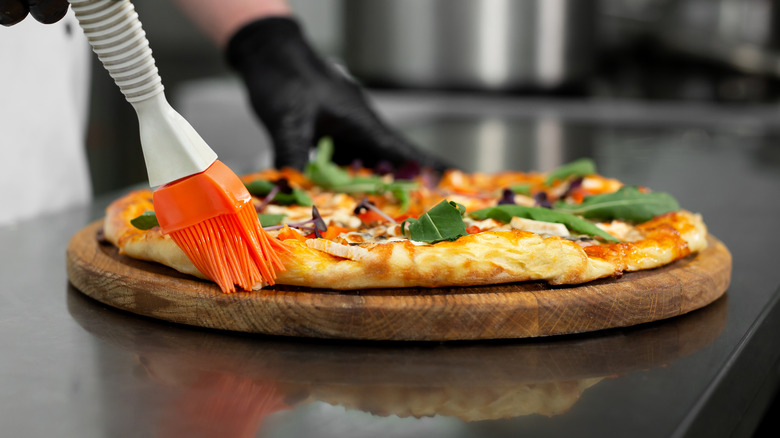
(172, 149)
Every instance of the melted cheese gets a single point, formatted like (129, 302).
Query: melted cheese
(621, 230)
(539, 227)
(337, 249)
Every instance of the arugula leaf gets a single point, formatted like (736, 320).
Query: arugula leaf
(627, 204)
(521, 189)
(581, 167)
(297, 196)
(324, 172)
(261, 187)
(444, 221)
(270, 219)
(146, 221)
(328, 175)
(402, 195)
(361, 184)
(504, 213)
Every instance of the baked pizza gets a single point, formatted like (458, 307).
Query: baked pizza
(352, 228)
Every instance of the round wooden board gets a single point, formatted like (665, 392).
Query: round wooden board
(517, 310)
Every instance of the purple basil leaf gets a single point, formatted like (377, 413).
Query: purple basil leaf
(319, 223)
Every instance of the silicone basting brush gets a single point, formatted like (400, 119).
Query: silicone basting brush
(200, 202)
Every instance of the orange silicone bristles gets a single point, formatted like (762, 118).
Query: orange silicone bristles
(211, 218)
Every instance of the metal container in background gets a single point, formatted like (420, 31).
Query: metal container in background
(471, 44)
(743, 34)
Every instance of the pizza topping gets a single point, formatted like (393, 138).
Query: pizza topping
(314, 225)
(504, 213)
(573, 187)
(365, 206)
(337, 249)
(628, 203)
(279, 192)
(330, 176)
(145, 221)
(269, 220)
(359, 213)
(622, 231)
(341, 217)
(522, 189)
(541, 200)
(322, 171)
(539, 227)
(597, 184)
(378, 234)
(577, 168)
(486, 225)
(507, 197)
(289, 233)
(442, 222)
(356, 237)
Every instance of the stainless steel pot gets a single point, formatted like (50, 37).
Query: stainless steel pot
(476, 44)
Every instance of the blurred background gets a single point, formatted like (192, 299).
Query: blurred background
(479, 77)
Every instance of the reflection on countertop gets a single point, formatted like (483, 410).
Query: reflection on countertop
(233, 382)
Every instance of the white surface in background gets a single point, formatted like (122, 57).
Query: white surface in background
(43, 115)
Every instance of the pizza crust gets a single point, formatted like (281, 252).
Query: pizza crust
(150, 245)
(489, 257)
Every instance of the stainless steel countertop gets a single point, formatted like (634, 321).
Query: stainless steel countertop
(72, 367)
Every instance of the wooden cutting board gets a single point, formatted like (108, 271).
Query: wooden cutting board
(516, 310)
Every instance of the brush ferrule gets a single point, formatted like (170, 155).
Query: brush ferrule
(197, 198)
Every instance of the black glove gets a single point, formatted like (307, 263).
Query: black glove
(300, 98)
(45, 11)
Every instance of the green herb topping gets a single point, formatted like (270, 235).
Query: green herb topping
(269, 219)
(581, 167)
(283, 194)
(145, 221)
(627, 204)
(504, 213)
(444, 221)
(328, 175)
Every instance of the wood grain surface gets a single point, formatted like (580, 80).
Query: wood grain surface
(516, 310)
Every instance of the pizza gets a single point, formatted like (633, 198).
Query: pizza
(350, 227)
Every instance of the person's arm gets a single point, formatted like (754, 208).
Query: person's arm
(221, 19)
(299, 97)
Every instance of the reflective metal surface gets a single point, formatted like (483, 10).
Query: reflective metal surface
(75, 368)
(492, 44)
(235, 383)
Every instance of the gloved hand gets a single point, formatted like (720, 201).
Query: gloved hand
(45, 11)
(300, 98)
